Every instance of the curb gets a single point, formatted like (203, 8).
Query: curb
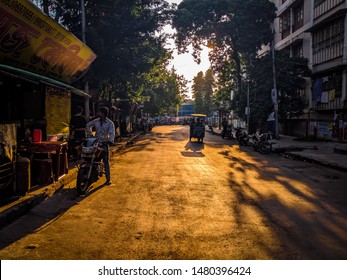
(340, 151)
(295, 156)
(30, 200)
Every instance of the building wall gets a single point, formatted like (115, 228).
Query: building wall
(186, 109)
(316, 29)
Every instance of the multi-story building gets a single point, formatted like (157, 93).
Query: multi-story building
(316, 29)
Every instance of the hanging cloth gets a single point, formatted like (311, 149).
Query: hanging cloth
(332, 94)
(324, 97)
(317, 90)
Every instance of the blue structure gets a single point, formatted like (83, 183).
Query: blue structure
(186, 109)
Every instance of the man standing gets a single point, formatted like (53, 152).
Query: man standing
(105, 133)
(225, 127)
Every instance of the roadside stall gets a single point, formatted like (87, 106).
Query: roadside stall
(7, 155)
(39, 62)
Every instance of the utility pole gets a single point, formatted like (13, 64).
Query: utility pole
(274, 90)
(86, 85)
(248, 109)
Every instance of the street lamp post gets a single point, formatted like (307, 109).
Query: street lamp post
(248, 109)
(274, 90)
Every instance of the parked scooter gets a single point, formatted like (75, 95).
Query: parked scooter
(90, 167)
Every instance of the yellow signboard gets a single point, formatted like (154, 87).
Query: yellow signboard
(32, 41)
(58, 110)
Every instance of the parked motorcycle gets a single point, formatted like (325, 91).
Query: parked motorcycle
(242, 137)
(259, 142)
(90, 167)
(238, 131)
(145, 126)
(227, 132)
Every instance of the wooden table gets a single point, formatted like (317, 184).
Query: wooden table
(57, 149)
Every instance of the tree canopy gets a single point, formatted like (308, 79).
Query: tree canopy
(203, 91)
(124, 36)
(230, 28)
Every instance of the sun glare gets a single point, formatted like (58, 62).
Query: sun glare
(184, 63)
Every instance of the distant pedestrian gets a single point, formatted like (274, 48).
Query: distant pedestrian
(225, 127)
(77, 129)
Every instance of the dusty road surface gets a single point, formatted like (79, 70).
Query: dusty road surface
(175, 199)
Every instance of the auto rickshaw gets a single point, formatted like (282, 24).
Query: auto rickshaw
(197, 128)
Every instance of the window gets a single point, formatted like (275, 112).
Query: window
(328, 35)
(298, 16)
(298, 50)
(318, 2)
(327, 42)
(285, 24)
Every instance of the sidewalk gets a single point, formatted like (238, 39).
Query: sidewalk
(14, 207)
(328, 154)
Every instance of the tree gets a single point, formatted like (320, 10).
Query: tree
(198, 89)
(203, 91)
(290, 77)
(166, 91)
(208, 90)
(231, 28)
(52, 8)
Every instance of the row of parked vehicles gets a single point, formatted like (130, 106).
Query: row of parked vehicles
(260, 142)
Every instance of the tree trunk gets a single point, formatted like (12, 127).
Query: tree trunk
(236, 57)
(45, 5)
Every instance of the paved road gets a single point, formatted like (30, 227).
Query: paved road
(175, 199)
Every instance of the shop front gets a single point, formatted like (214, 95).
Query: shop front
(39, 62)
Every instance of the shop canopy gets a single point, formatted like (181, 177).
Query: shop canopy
(36, 78)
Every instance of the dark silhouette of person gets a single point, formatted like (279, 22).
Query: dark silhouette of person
(78, 124)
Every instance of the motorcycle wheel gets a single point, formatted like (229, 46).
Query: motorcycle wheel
(265, 148)
(243, 142)
(82, 181)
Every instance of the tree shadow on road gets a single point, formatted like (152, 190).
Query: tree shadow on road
(308, 223)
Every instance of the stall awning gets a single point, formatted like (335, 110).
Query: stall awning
(36, 78)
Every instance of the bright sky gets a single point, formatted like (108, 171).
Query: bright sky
(184, 63)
